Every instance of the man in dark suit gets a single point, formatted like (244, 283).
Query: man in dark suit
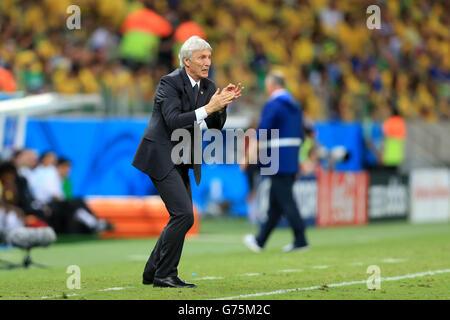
(183, 99)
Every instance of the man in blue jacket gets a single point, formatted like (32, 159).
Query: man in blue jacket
(281, 112)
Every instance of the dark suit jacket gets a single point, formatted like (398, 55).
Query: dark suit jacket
(174, 108)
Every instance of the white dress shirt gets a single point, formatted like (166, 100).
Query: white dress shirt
(46, 184)
(200, 113)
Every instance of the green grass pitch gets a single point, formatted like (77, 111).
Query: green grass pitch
(335, 267)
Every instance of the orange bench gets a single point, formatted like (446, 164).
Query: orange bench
(135, 217)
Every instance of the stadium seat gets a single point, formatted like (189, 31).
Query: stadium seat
(134, 217)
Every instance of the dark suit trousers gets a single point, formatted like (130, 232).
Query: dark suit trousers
(175, 191)
(281, 202)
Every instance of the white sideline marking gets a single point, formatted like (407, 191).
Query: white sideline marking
(320, 267)
(251, 274)
(60, 296)
(209, 278)
(341, 284)
(76, 294)
(356, 264)
(393, 260)
(291, 270)
(115, 289)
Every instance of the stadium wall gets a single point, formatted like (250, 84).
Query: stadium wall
(102, 150)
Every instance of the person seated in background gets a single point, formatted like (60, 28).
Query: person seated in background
(45, 183)
(83, 212)
(10, 219)
(17, 197)
(23, 163)
(64, 167)
(71, 215)
(18, 229)
(25, 160)
(11, 216)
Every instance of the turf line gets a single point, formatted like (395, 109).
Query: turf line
(290, 270)
(341, 284)
(393, 260)
(60, 296)
(210, 278)
(115, 289)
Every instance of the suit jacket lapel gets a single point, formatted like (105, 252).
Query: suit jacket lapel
(188, 88)
(202, 96)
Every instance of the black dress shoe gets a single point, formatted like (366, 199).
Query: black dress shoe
(172, 282)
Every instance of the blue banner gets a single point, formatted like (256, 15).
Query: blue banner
(101, 151)
(348, 135)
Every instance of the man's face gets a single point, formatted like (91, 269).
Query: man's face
(199, 64)
(8, 179)
(269, 86)
(64, 169)
(49, 159)
(31, 159)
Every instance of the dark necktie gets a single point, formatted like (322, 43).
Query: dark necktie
(196, 167)
(195, 93)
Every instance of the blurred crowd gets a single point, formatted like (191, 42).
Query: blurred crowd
(335, 66)
(36, 191)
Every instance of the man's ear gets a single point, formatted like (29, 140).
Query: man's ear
(186, 62)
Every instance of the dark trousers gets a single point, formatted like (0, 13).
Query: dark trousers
(63, 219)
(175, 191)
(281, 202)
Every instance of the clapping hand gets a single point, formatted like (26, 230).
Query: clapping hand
(236, 89)
(221, 98)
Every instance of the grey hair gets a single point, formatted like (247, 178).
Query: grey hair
(277, 78)
(194, 43)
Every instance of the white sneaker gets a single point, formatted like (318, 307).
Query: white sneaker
(290, 248)
(250, 242)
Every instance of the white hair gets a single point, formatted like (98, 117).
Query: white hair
(194, 43)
